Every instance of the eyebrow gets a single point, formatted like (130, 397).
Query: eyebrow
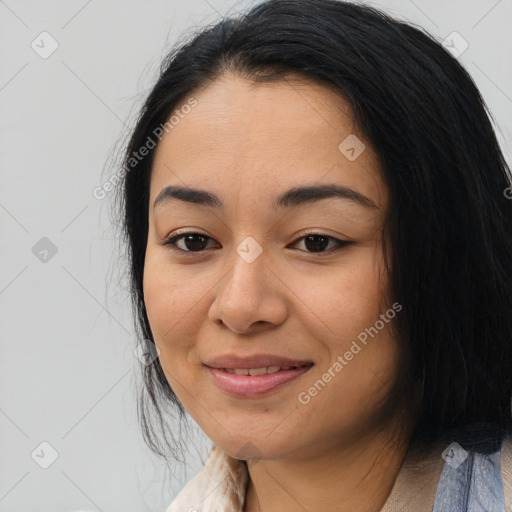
(291, 198)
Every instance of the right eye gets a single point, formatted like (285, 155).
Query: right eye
(190, 242)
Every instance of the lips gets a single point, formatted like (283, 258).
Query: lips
(255, 376)
(262, 371)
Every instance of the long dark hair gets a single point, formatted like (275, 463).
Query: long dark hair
(450, 222)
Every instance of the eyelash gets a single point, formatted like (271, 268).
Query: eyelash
(170, 243)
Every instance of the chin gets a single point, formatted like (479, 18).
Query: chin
(256, 447)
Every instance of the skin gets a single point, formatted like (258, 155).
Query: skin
(247, 143)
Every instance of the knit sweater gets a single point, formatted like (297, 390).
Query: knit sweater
(474, 483)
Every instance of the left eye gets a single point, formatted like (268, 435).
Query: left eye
(318, 242)
(196, 242)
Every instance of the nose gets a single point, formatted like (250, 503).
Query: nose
(250, 297)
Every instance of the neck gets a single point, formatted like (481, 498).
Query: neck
(356, 476)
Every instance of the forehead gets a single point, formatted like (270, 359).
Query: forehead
(256, 139)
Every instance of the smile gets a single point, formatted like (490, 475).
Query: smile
(256, 382)
(261, 371)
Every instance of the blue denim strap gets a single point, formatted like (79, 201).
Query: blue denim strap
(475, 485)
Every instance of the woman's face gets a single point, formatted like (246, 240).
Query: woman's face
(251, 283)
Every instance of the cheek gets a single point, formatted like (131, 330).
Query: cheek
(170, 293)
(341, 302)
(348, 403)
(356, 331)
(174, 309)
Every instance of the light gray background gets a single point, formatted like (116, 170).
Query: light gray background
(66, 355)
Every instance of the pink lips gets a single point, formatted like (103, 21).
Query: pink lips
(246, 386)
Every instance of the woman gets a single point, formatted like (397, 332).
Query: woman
(320, 244)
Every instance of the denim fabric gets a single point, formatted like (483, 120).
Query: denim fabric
(474, 485)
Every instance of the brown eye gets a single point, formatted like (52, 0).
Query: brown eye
(188, 242)
(318, 243)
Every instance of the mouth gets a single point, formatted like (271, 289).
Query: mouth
(265, 370)
(256, 382)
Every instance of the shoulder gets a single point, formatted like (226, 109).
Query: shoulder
(506, 471)
(219, 486)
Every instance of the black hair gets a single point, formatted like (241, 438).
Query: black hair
(449, 220)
